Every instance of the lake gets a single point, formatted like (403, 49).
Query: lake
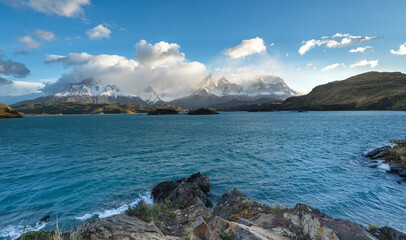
(79, 167)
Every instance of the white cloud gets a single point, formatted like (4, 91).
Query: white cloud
(311, 65)
(99, 32)
(29, 41)
(272, 44)
(337, 40)
(65, 8)
(44, 35)
(401, 51)
(332, 66)
(246, 47)
(158, 53)
(160, 66)
(372, 63)
(18, 88)
(361, 49)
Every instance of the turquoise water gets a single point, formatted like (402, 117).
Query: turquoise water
(80, 167)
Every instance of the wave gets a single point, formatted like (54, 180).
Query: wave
(13, 232)
(146, 197)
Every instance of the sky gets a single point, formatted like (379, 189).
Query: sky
(174, 45)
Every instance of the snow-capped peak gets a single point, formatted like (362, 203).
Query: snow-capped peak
(150, 96)
(91, 88)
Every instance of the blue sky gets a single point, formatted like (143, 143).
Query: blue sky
(204, 29)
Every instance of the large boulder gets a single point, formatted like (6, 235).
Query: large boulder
(388, 233)
(306, 222)
(234, 205)
(184, 192)
(120, 227)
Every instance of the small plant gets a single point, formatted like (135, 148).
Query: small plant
(277, 208)
(197, 191)
(223, 235)
(372, 227)
(156, 213)
(36, 235)
(247, 201)
(187, 233)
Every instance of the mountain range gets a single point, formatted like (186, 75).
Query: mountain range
(207, 93)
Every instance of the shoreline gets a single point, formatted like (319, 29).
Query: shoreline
(190, 197)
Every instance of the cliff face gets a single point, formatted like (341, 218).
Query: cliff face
(8, 112)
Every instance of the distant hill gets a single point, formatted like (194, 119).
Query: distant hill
(89, 108)
(367, 91)
(8, 112)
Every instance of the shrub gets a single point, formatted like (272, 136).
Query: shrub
(247, 201)
(156, 213)
(277, 208)
(37, 235)
(187, 233)
(223, 235)
(372, 227)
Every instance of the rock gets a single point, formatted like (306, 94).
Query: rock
(200, 228)
(202, 111)
(45, 219)
(163, 112)
(120, 227)
(220, 229)
(184, 192)
(234, 205)
(378, 153)
(388, 233)
(306, 222)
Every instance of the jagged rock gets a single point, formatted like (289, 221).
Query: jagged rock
(200, 228)
(120, 227)
(304, 221)
(388, 233)
(184, 192)
(234, 205)
(378, 153)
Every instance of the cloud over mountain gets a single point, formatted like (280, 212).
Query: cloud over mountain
(160, 66)
(371, 63)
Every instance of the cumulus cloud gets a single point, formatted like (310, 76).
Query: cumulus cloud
(29, 41)
(332, 66)
(400, 51)
(372, 63)
(11, 68)
(158, 53)
(361, 49)
(44, 35)
(335, 41)
(18, 88)
(160, 66)
(99, 32)
(246, 47)
(65, 8)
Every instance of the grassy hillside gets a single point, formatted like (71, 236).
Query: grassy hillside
(8, 112)
(367, 91)
(88, 108)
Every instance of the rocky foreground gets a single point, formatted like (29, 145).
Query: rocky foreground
(183, 210)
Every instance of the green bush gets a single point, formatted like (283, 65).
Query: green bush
(223, 235)
(37, 235)
(155, 213)
(372, 227)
